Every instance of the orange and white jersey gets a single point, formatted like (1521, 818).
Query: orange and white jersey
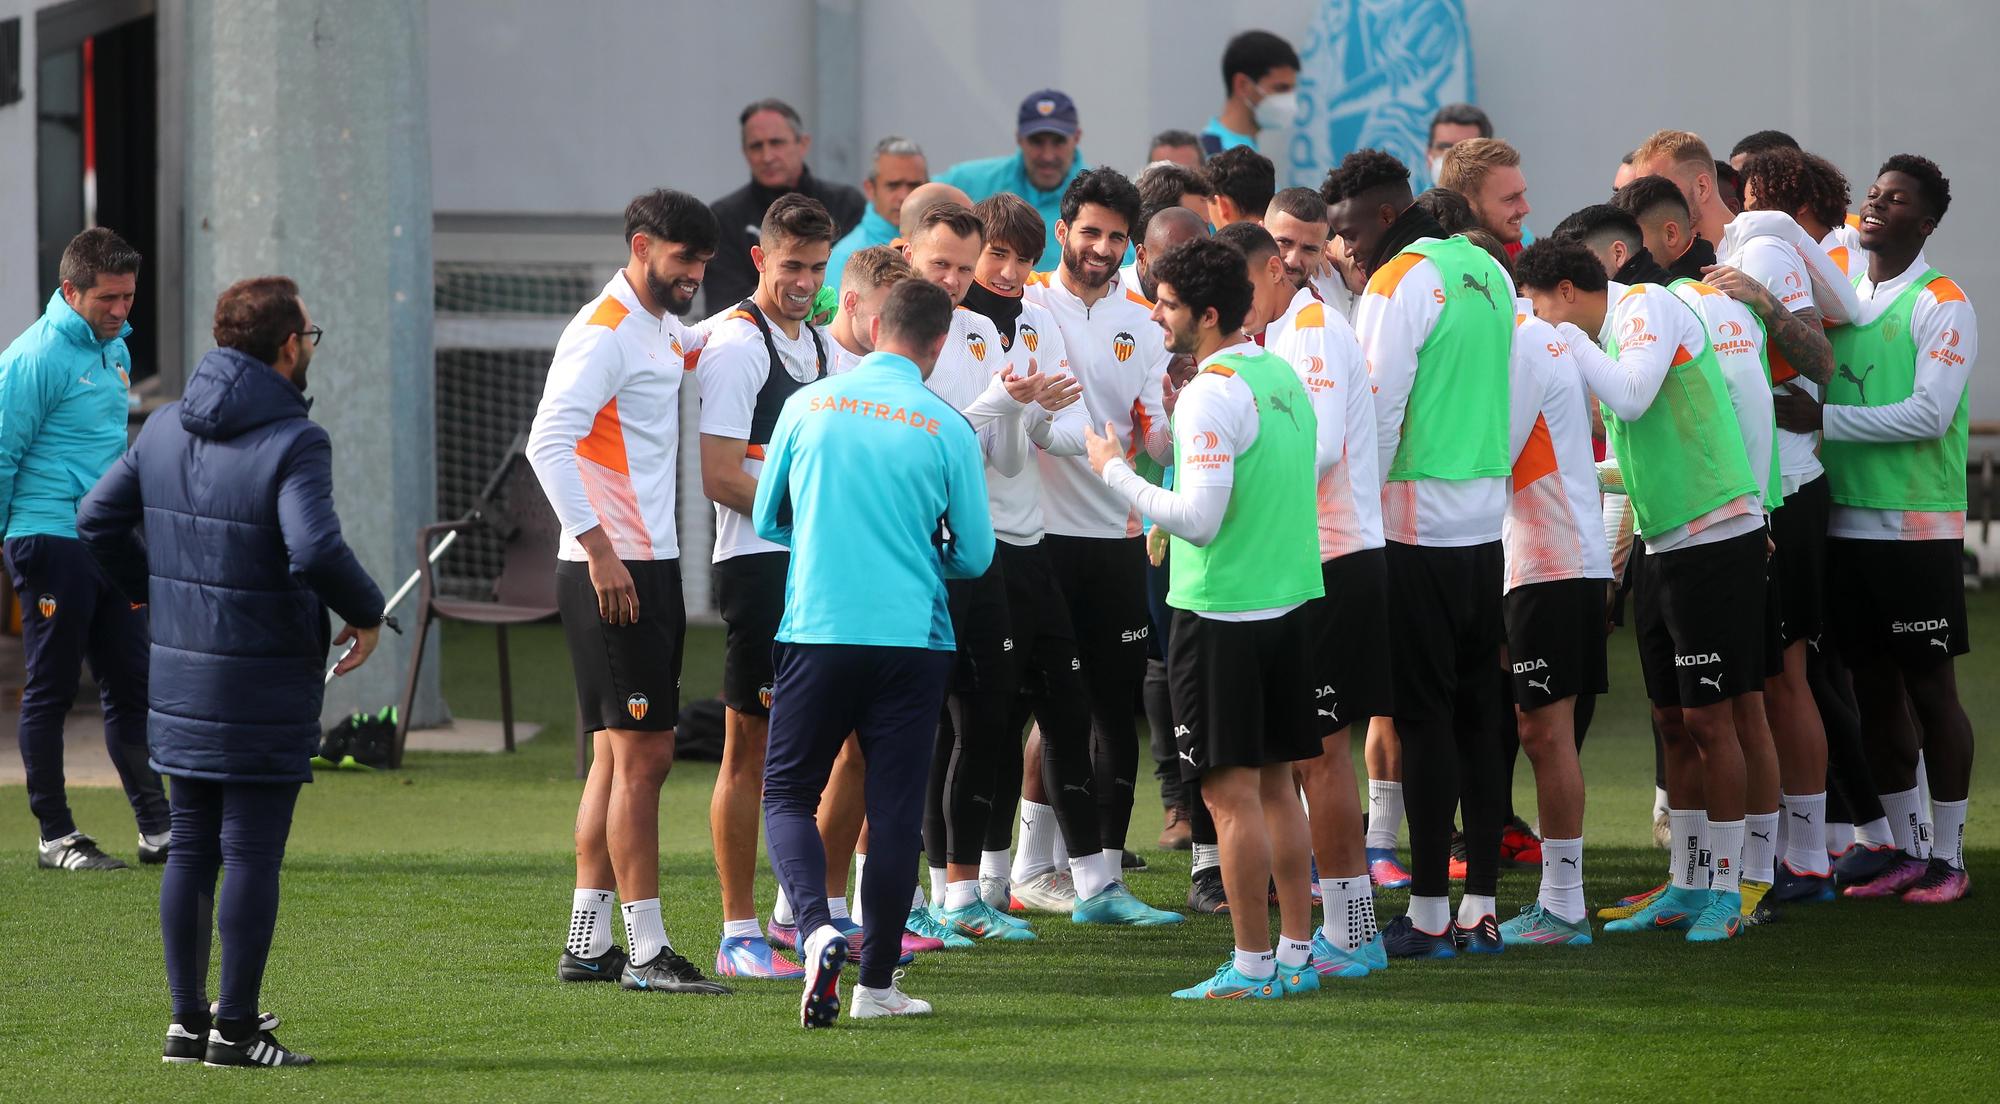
(1771, 248)
(1738, 340)
(1016, 500)
(1555, 520)
(1403, 301)
(1321, 347)
(729, 374)
(1946, 331)
(606, 437)
(1119, 354)
(1843, 247)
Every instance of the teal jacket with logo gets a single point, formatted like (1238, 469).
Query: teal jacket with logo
(993, 175)
(63, 404)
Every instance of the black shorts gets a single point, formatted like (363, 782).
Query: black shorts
(1700, 616)
(1902, 598)
(1555, 640)
(1445, 626)
(1351, 652)
(1774, 621)
(627, 676)
(1040, 639)
(979, 623)
(1242, 691)
(750, 595)
(1104, 581)
(1798, 567)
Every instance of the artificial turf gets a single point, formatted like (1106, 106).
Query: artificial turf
(423, 911)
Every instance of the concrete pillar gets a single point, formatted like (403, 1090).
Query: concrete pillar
(308, 155)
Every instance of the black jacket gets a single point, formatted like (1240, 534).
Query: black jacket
(731, 277)
(1699, 255)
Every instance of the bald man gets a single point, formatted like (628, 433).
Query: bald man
(1168, 227)
(924, 197)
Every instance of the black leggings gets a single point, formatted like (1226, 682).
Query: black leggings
(973, 751)
(1852, 796)
(242, 826)
(1447, 765)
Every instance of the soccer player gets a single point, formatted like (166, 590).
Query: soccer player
(1350, 660)
(1243, 569)
(1666, 226)
(1260, 77)
(1244, 182)
(1302, 245)
(867, 467)
(63, 413)
(604, 445)
(1759, 142)
(1895, 443)
(756, 356)
(1701, 607)
(1487, 172)
(875, 270)
(898, 169)
(1093, 541)
(1164, 230)
(1436, 324)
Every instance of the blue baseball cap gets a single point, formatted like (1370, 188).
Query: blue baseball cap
(1047, 112)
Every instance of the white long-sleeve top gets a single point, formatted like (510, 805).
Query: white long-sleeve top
(1016, 500)
(1555, 520)
(968, 376)
(1321, 347)
(1771, 248)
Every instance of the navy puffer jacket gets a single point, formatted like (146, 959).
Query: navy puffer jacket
(233, 490)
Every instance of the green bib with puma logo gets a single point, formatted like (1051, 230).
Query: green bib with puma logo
(1455, 425)
(1876, 365)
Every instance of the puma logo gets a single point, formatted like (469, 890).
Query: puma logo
(1860, 382)
(1807, 817)
(1071, 787)
(1189, 756)
(1765, 836)
(1329, 714)
(1485, 289)
(1715, 682)
(1284, 406)
(1570, 861)
(1543, 685)
(1940, 643)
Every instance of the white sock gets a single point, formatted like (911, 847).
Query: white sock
(644, 931)
(995, 864)
(1927, 832)
(1905, 822)
(1058, 848)
(1205, 856)
(1472, 908)
(860, 866)
(1431, 915)
(590, 931)
(1256, 965)
(1839, 837)
(1659, 801)
(1876, 833)
(1949, 841)
(1805, 851)
(781, 910)
(1760, 847)
(1347, 911)
(1725, 842)
(1091, 875)
(1033, 854)
(938, 885)
(836, 907)
(958, 895)
(1385, 814)
(741, 929)
(1293, 953)
(1686, 865)
(1562, 878)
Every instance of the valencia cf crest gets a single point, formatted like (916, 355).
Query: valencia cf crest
(637, 705)
(1029, 337)
(1122, 346)
(764, 696)
(47, 605)
(977, 344)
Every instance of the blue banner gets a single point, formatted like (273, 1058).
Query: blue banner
(1372, 73)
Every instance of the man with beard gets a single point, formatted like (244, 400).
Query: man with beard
(608, 431)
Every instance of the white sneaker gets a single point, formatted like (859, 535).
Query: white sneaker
(1049, 891)
(867, 1004)
(994, 890)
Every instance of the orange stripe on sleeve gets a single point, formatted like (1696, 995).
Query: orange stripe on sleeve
(605, 446)
(1538, 456)
(744, 315)
(1781, 369)
(1385, 279)
(1311, 317)
(1215, 368)
(1682, 356)
(753, 452)
(1945, 290)
(1838, 255)
(609, 313)
(1139, 299)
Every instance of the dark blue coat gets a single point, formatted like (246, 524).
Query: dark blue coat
(232, 488)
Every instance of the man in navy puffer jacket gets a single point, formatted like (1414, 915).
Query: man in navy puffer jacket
(241, 559)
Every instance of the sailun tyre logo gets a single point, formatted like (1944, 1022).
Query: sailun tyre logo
(636, 705)
(47, 605)
(1205, 441)
(1029, 337)
(1635, 327)
(1123, 345)
(1730, 329)
(978, 346)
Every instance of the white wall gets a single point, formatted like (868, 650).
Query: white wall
(20, 300)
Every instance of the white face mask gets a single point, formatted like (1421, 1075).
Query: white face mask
(1437, 166)
(1276, 111)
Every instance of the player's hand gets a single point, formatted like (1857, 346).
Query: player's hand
(617, 596)
(1156, 545)
(1180, 370)
(1798, 411)
(1102, 449)
(1738, 285)
(364, 641)
(1025, 389)
(1058, 392)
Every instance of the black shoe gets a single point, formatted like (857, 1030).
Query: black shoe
(76, 851)
(153, 855)
(1130, 860)
(669, 973)
(1403, 939)
(1480, 938)
(1205, 892)
(184, 1046)
(259, 1050)
(605, 967)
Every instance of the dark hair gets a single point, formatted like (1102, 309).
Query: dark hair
(1179, 139)
(1105, 187)
(1014, 223)
(1725, 173)
(1303, 204)
(953, 216)
(1452, 210)
(1762, 140)
(256, 316)
(795, 219)
(1931, 182)
(1206, 273)
(667, 215)
(1645, 197)
(1599, 223)
(1253, 54)
(790, 113)
(1161, 186)
(917, 311)
(1484, 239)
(96, 252)
(1249, 239)
(1460, 114)
(1790, 179)
(1550, 261)
(1247, 177)
(1364, 171)
(1627, 159)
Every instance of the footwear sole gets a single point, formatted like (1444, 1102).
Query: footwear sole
(819, 1005)
(179, 1061)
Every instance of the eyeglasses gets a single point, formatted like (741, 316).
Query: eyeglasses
(313, 335)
